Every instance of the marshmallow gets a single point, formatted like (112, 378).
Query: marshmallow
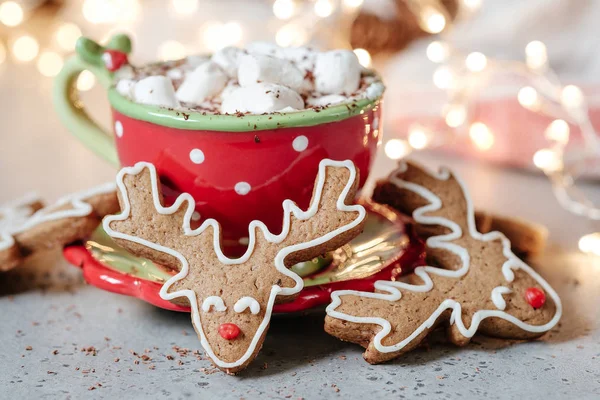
(204, 82)
(125, 87)
(264, 48)
(156, 91)
(328, 100)
(337, 72)
(255, 68)
(302, 57)
(228, 58)
(175, 73)
(374, 90)
(261, 98)
(230, 88)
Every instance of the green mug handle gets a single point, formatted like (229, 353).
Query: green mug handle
(70, 109)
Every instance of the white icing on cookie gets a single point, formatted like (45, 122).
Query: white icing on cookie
(289, 207)
(17, 222)
(246, 302)
(497, 298)
(443, 242)
(213, 301)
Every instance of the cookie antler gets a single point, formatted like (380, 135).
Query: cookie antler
(223, 291)
(477, 270)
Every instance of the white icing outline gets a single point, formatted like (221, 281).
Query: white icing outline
(80, 208)
(213, 301)
(289, 208)
(497, 298)
(247, 302)
(441, 241)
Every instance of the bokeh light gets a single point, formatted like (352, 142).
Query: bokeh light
(49, 63)
(85, 81)
(558, 131)
(397, 149)
(571, 96)
(437, 52)
(284, 9)
(481, 136)
(25, 48)
(536, 55)
(547, 160)
(67, 35)
(528, 97)
(11, 13)
(476, 62)
(323, 8)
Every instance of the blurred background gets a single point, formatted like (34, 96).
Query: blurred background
(514, 83)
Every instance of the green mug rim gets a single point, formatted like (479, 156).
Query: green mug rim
(196, 120)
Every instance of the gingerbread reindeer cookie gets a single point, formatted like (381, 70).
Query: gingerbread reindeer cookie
(232, 299)
(27, 227)
(478, 284)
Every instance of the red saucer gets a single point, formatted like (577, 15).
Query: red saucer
(103, 277)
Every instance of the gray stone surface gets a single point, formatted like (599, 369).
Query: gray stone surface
(298, 359)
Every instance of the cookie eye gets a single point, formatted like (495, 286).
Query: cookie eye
(246, 302)
(215, 302)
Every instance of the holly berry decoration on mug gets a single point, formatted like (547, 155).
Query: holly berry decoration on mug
(113, 56)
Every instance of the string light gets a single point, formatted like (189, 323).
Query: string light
(535, 54)
(558, 131)
(443, 77)
(397, 149)
(476, 62)
(431, 20)
(590, 243)
(49, 63)
(67, 35)
(437, 52)
(11, 13)
(456, 116)
(171, 50)
(323, 8)
(547, 160)
(291, 34)
(528, 97)
(545, 95)
(571, 96)
(418, 137)
(481, 136)
(25, 48)
(364, 58)
(85, 81)
(284, 9)
(185, 7)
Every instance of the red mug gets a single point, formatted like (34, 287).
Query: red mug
(237, 168)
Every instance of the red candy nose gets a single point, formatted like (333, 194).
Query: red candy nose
(229, 331)
(535, 297)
